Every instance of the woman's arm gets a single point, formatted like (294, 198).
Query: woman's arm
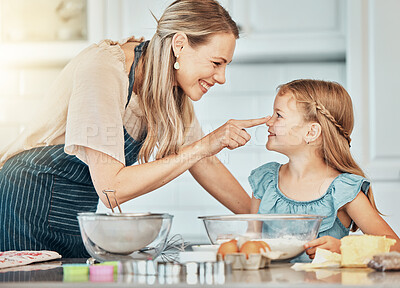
(214, 177)
(255, 205)
(370, 222)
(133, 181)
(256, 226)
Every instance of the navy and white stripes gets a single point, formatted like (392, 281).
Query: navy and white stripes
(41, 192)
(38, 201)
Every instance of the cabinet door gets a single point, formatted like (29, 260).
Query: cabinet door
(373, 62)
(290, 29)
(270, 30)
(127, 18)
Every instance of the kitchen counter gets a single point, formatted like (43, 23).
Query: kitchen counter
(50, 274)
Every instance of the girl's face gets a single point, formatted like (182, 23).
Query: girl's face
(287, 128)
(203, 66)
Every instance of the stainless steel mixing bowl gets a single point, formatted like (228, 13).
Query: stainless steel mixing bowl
(124, 236)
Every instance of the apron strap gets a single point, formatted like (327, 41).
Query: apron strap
(138, 52)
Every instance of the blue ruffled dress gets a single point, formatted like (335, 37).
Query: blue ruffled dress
(343, 189)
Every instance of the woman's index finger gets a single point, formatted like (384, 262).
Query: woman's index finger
(251, 122)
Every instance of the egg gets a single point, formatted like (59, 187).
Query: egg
(228, 248)
(264, 245)
(253, 247)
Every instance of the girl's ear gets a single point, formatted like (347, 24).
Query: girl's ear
(314, 131)
(179, 40)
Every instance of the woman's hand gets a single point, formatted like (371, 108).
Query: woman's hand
(231, 135)
(325, 242)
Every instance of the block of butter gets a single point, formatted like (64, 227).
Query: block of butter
(357, 250)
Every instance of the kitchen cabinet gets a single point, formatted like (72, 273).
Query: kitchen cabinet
(290, 29)
(22, 46)
(286, 30)
(372, 62)
(270, 30)
(372, 68)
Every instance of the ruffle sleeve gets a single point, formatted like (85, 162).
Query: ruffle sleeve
(262, 178)
(344, 189)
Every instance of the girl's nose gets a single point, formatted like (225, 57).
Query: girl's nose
(269, 121)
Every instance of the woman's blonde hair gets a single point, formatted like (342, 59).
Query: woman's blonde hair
(329, 104)
(168, 113)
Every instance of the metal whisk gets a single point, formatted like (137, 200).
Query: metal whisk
(106, 192)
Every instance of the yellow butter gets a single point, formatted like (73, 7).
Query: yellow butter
(357, 250)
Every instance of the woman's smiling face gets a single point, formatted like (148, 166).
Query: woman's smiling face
(203, 66)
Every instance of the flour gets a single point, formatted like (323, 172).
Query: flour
(289, 247)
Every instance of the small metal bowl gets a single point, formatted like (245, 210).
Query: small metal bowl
(124, 236)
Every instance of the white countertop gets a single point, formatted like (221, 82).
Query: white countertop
(277, 275)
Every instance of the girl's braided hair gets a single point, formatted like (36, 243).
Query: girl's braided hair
(321, 109)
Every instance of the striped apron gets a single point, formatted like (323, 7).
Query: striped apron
(43, 189)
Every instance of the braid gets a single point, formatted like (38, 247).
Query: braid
(321, 108)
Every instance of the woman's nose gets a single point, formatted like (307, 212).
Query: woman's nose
(219, 75)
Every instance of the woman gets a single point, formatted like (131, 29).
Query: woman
(113, 104)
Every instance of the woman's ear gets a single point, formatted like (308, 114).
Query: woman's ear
(314, 131)
(179, 41)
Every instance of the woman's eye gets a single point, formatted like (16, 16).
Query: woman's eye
(216, 63)
(279, 115)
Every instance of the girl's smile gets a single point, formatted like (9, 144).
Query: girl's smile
(286, 126)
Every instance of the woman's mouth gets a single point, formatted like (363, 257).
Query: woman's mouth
(204, 86)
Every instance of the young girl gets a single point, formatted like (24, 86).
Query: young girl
(311, 124)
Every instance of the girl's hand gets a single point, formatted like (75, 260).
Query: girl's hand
(325, 242)
(231, 135)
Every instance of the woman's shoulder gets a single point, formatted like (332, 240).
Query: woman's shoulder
(105, 54)
(115, 47)
(101, 63)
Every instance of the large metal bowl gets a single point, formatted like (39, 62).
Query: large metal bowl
(124, 236)
(284, 233)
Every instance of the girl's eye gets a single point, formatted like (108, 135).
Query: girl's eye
(216, 63)
(279, 115)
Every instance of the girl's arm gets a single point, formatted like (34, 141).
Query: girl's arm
(367, 219)
(214, 177)
(370, 222)
(133, 181)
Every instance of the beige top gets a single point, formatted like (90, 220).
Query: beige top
(85, 107)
